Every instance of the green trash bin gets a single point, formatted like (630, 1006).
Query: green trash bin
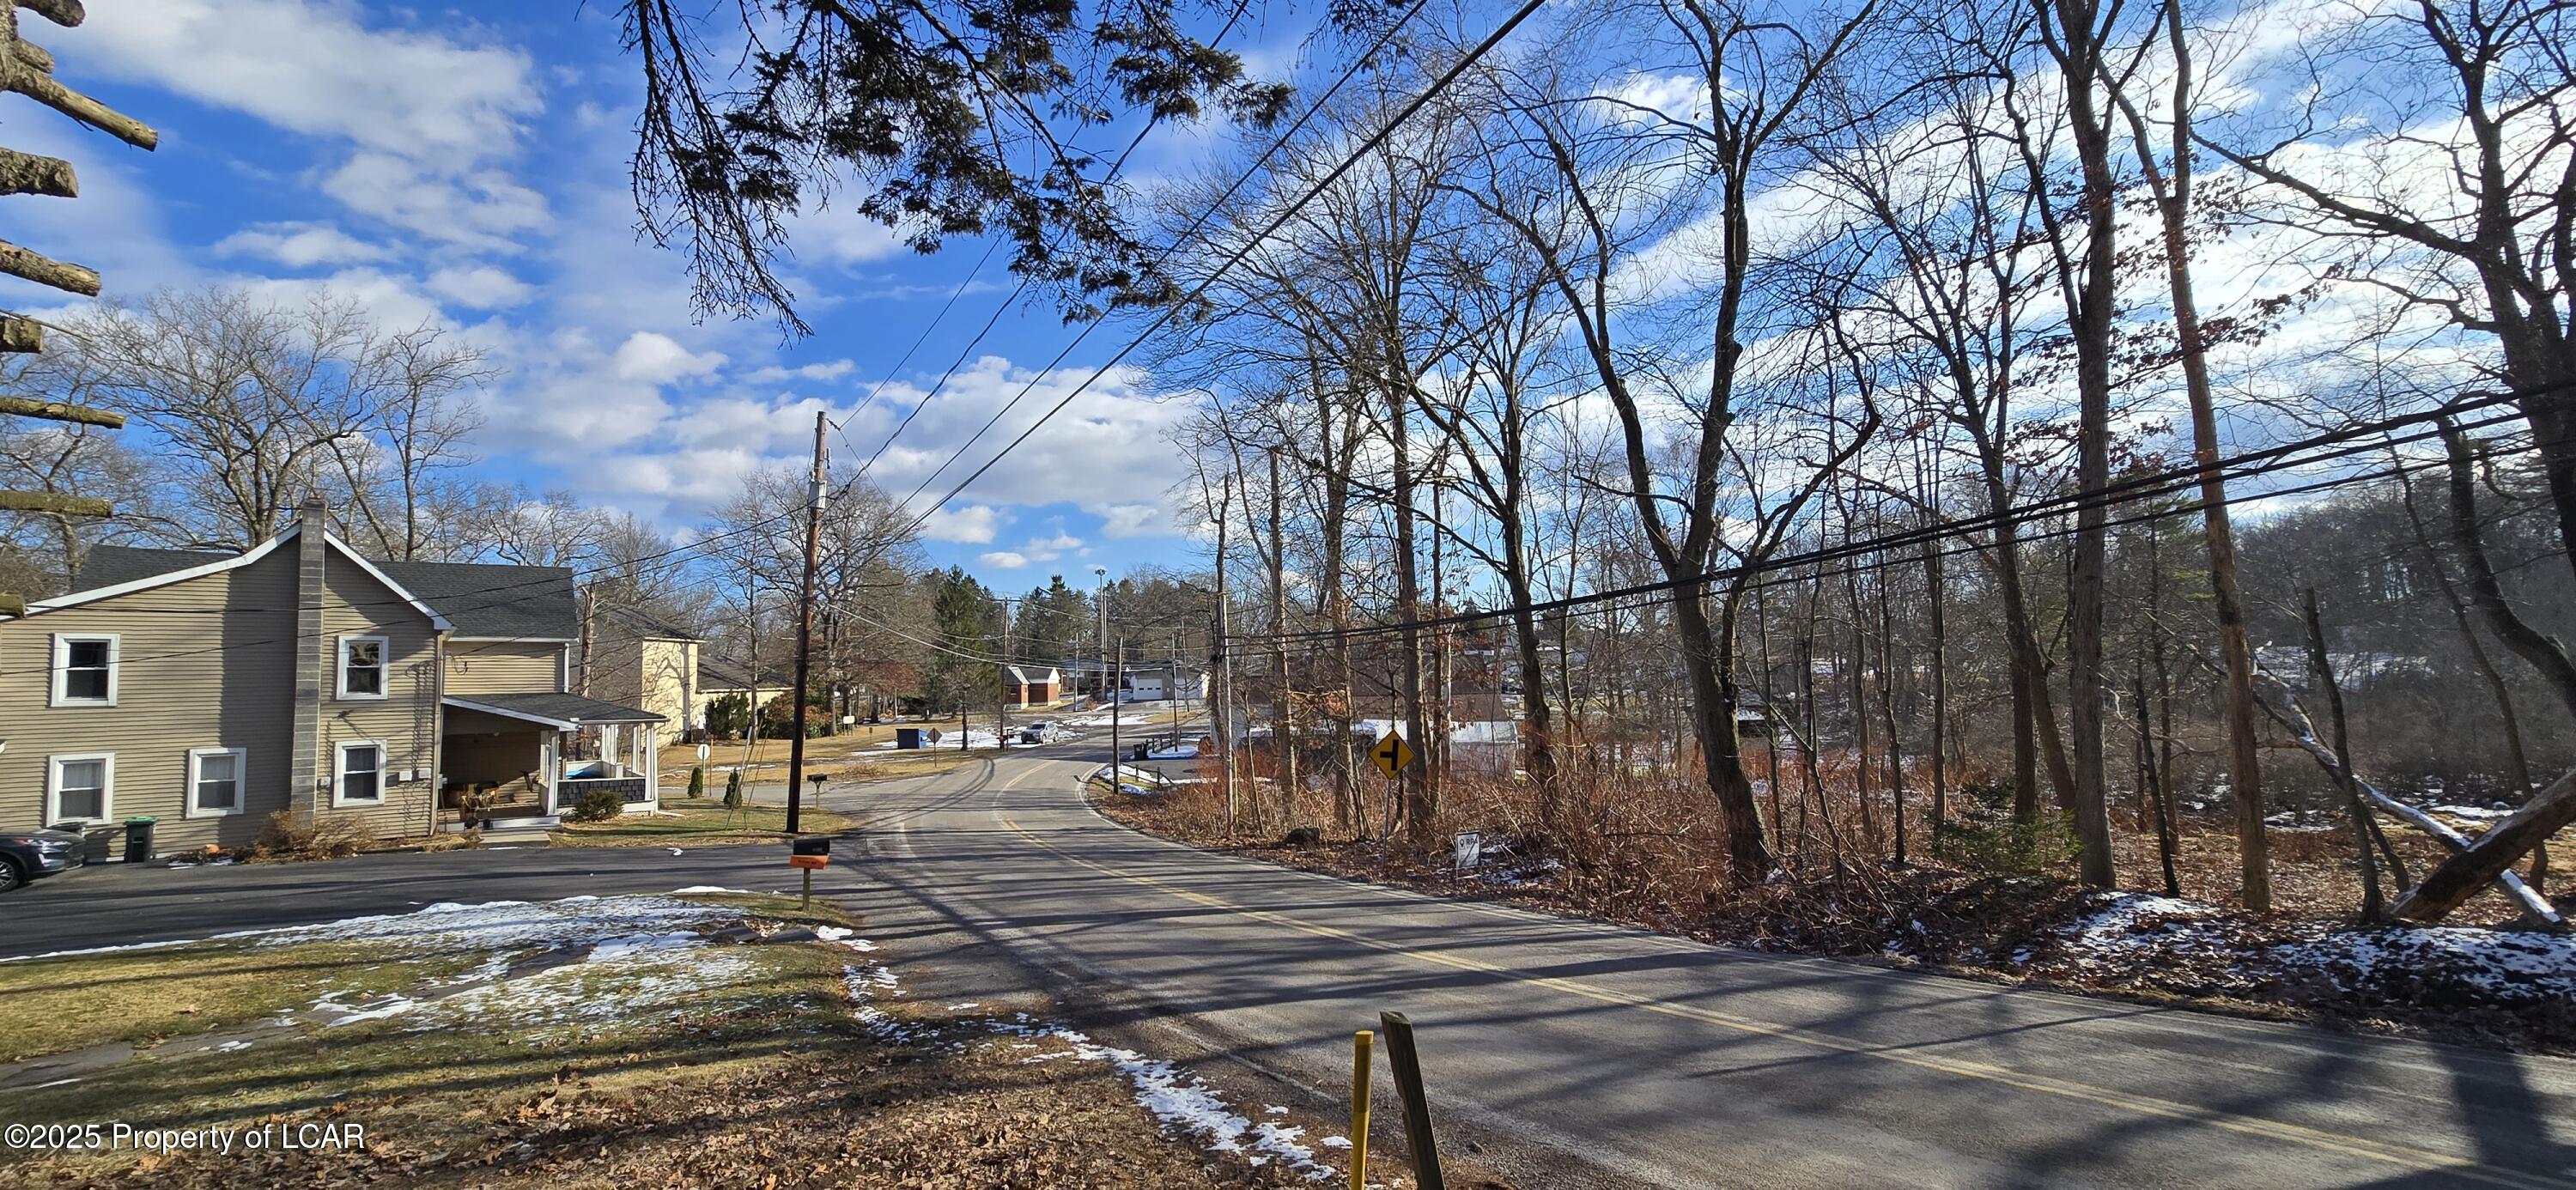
(138, 838)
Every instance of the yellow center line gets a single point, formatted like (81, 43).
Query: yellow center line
(2412, 1158)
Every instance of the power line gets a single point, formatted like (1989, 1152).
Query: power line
(2248, 465)
(1170, 309)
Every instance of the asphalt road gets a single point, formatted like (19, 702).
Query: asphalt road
(1560, 1052)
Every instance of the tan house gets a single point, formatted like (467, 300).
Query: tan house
(725, 679)
(639, 660)
(211, 690)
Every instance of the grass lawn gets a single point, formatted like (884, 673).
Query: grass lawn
(610, 1042)
(697, 823)
(143, 996)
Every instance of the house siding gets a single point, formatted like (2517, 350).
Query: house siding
(508, 666)
(669, 669)
(405, 721)
(191, 674)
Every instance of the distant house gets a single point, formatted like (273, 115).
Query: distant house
(1027, 686)
(641, 660)
(726, 679)
(211, 690)
(1159, 684)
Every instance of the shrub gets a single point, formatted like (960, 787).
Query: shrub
(697, 780)
(598, 805)
(297, 834)
(733, 790)
(1986, 839)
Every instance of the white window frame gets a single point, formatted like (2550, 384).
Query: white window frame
(384, 670)
(241, 782)
(56, 695)
(54, 786)
(340, 773)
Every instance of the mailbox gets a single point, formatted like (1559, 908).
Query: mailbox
(812, 851)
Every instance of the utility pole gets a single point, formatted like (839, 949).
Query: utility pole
(1100, 637)
(1116, 704)
(1002, 708)
(1282, 707)
(804, 630)
(751, 690)
(1223, 670)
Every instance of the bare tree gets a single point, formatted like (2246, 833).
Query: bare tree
(254, 407)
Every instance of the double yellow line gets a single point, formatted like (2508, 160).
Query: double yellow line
(2422, 1160)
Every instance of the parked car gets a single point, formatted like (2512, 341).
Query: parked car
(26, 855)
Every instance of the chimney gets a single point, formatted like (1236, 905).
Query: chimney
(312, 661)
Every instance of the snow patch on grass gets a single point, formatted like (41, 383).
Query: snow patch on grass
(1181, 1100)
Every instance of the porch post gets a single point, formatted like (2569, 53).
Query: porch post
(550, 764)
(652, 765)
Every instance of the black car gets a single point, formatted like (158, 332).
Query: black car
(25, 855)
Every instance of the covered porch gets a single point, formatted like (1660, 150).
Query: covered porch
(525, 760)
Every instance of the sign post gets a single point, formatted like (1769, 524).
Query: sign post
(1417, 1104)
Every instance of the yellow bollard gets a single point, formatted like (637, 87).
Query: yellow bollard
(1359, 1108)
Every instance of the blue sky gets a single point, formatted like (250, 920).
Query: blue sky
(468, 166)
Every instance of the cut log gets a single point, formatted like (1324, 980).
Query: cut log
(65, 13)
(45, 270)
(27, 173)
(54, 504)
(43, 89)
(19, 336)
(33, 55)
(2493, 855)
(57, 410)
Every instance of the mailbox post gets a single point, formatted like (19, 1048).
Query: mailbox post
(807, 854)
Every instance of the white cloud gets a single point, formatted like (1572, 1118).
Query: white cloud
(971, 525)
(392, 299)
(839, 235)
(825, 371)
(301, 245)
(1110, 444)
(650, 357)
(1003, 560)
(476, 209)
(426, 112)
(1048, 549)
(480, 287)
(1135, 520)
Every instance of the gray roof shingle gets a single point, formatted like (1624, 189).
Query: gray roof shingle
(478, 598)
(560, 708)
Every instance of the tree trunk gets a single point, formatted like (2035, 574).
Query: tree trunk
(2373, 902)
(2173, 206)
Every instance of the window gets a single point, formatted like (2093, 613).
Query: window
(359, 776)
(79, 788)
(85, 670)
(362, 667)
(215, 781)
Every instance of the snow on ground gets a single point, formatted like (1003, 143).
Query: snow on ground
(2511, 968)
(1179, 1099)
(2135, 931)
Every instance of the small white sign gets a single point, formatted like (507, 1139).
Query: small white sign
(1467, 849)
(702, 751)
